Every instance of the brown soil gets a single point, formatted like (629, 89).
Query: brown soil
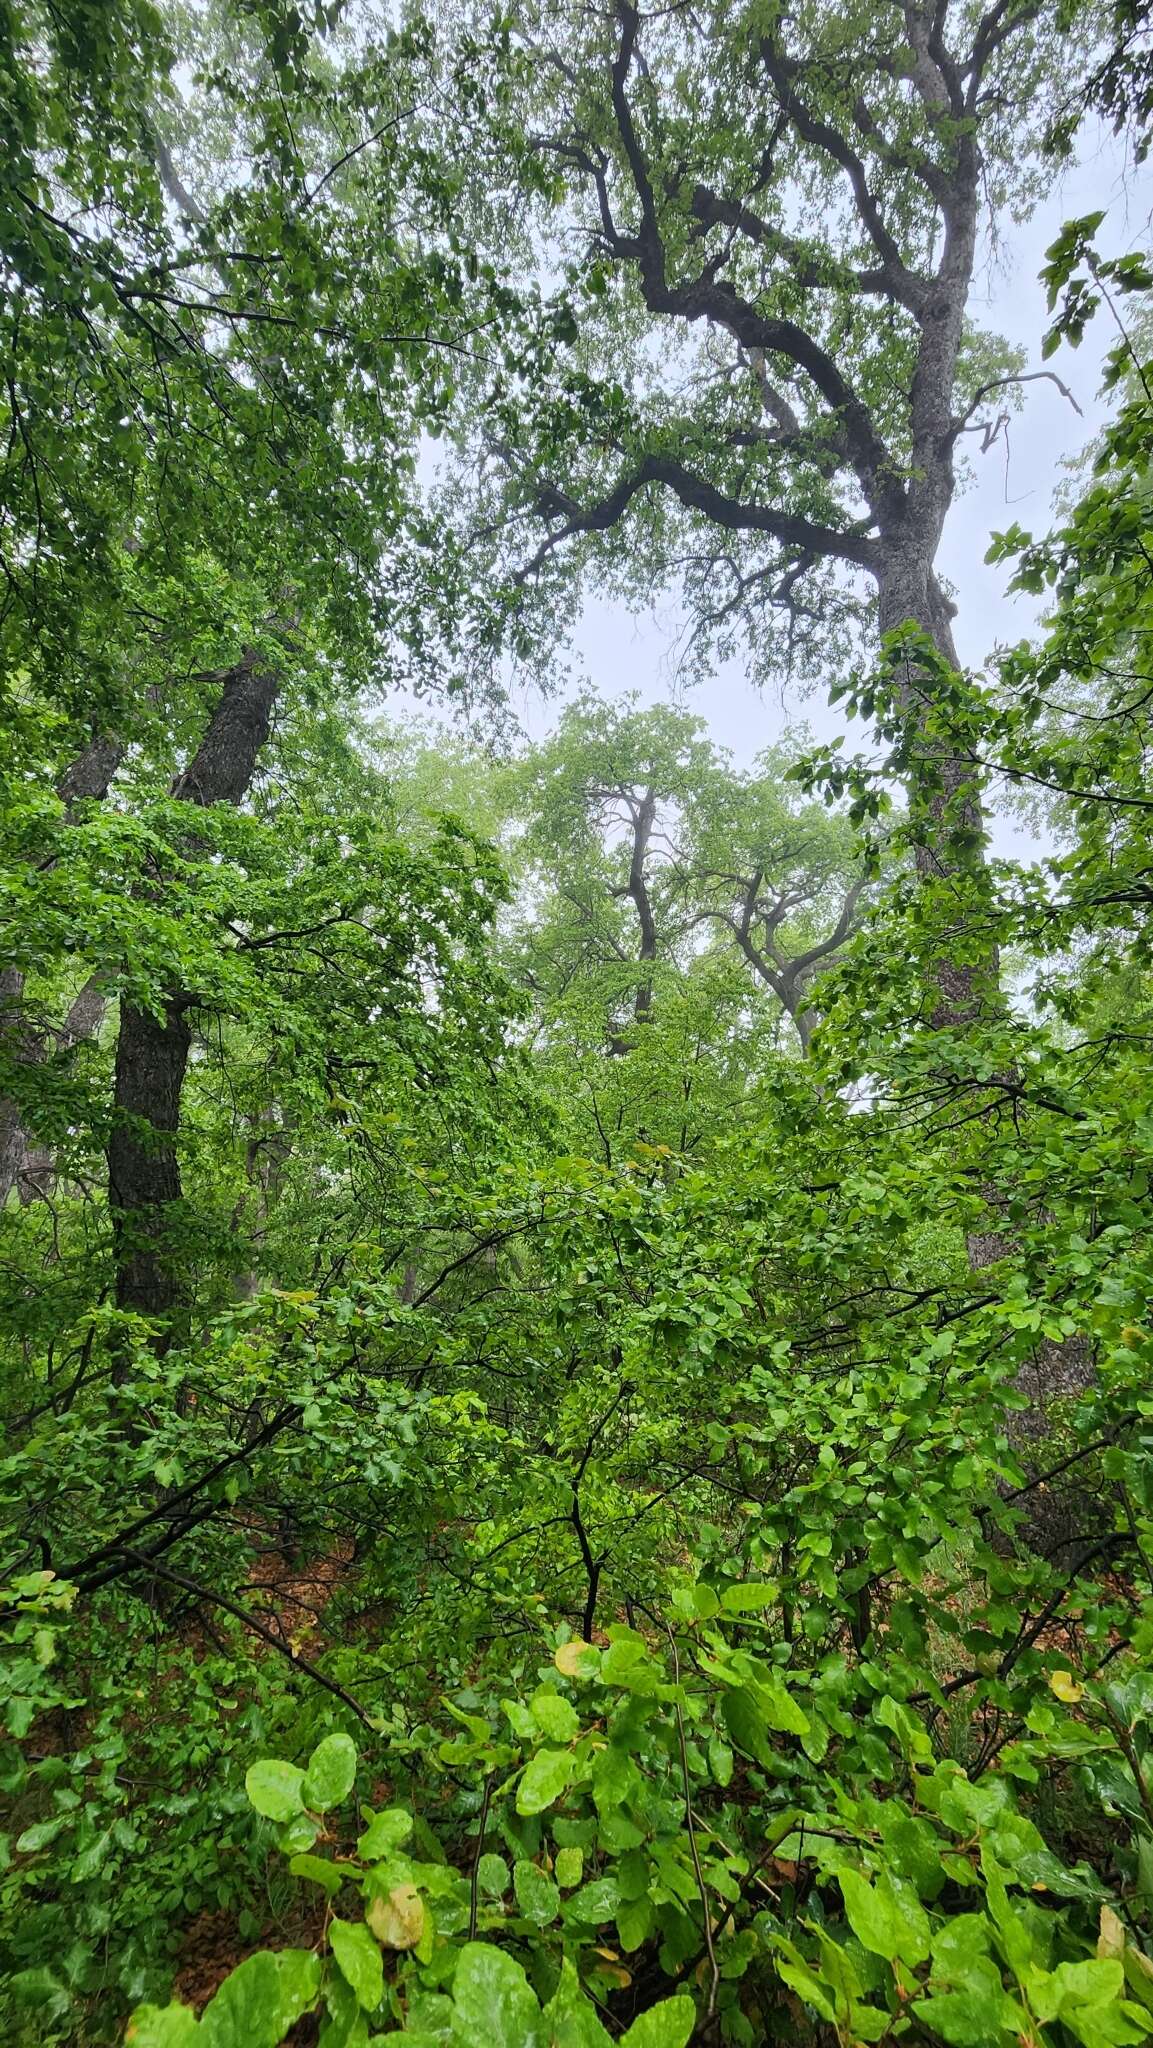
(211, 1948)
(294, 1596)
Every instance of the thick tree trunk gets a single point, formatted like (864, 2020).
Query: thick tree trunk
(18, 1042)
(638, 890)
(966, 992)
(144, 1187)
(908, 590)
(143, 1174)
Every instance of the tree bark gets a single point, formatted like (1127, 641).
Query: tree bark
(638, 889)
(966, 992)
(908, 592)
(144, 1186)
(21, 1047)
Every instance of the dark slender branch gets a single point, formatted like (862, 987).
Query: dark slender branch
(706, 298)
(294, 1657)
(804, 961)
(697, 494)
(310, 198)
(175, 1500)
(820, 134)
(713, 210)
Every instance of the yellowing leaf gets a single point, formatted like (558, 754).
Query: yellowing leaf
(569, 1659)
(1066, 1687)
(617, 1973)
(1111, 1939)
(398, 1920)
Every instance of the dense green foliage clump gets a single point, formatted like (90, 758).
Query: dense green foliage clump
(575, 1319)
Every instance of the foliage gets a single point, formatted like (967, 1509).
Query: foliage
(619, 1514)
(613, 1797)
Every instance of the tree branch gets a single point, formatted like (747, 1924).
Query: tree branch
(696, 493)
(707, 298)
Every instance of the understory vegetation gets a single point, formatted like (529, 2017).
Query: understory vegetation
(575, 1312)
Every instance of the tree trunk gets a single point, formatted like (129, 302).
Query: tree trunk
(144, 1188)
(638, 890)
(966, 992)
(15, 1034)
(908, 590)
(143, 1174)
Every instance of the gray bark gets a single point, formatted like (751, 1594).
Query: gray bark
(791, 979)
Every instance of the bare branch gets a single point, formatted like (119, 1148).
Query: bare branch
(1017, 377)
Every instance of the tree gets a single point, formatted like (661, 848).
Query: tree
(179, 364)
(786, 878)
(794, 395)
(642, 838)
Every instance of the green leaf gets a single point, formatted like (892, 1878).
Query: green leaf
(545, 1778)
(667, 2025)
(570, 2019)
(569, 1867)
(628, 1661)
(746, 1724)
(330, 1775)
(961, 1950)
(384, 1833)
(320, 1871)
(779, 1707)
(492, 1876)
(261, 2000)
(273, 1788)
(345, 2026)
(972, 2019)
(493, 2006)
(360, 1960)
(720, 1761)
(91, 1859)
(40, 1834)
(886, 1917)
(595, 1902)
(615, 1778)
(536, 1894)
(556, 1717)
(636, 1919)
(749, 1596)
(162, 2026)
(298, 1834)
